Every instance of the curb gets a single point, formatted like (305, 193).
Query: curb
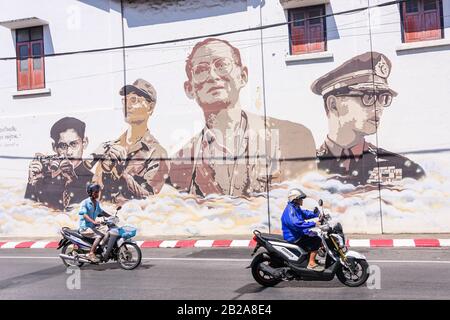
(366, 243)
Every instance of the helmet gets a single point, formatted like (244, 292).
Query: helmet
(92, 187)
(296, 194)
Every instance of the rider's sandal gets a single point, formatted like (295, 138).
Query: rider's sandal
(316, 268)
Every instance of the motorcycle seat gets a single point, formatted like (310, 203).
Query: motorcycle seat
(273, 237)
(75, 233)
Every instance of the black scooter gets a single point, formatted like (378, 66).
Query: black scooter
(285, 261)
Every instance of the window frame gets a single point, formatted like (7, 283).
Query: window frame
(306, 10)
(421, 12)
(35, 77)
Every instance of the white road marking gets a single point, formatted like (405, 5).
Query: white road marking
(237, 259)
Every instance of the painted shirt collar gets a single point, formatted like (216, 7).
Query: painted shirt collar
(338, 151)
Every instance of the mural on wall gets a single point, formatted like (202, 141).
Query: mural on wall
(355, 95)
(135, 165)
(59, 180)
(237, 153)
(219, 182)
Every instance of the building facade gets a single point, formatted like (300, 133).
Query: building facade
(199, 116)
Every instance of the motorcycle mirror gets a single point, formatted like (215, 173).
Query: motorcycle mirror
(118, 208)
(321, 202)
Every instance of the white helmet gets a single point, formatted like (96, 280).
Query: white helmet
(296, 194)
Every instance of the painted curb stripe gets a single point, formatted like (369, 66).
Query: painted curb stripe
(444, 242)
(374, 243)
(185, 243)
(221, 243)
(25, 244)
(10, 245)
(52, 245)
(369, 243)
(139, 243)
(427, 242)
(359, 242)
(168, 244)
(39, 244)
(204, 243)
(240, 243)
(151, 244)
(404, 243)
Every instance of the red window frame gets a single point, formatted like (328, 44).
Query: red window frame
(421, 24)
(306, 33)
(30, 67)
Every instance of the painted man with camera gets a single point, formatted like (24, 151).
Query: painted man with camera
(59, 181)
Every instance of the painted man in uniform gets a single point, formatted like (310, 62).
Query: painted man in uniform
(237, 153)
(355, 95)
(135, 165)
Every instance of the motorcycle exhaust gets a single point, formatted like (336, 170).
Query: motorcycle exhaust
(276, 273)
(72, 258)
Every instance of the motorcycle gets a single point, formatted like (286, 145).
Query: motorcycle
(285, 261)
(119, 247)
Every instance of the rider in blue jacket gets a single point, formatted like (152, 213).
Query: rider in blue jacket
(297, 230)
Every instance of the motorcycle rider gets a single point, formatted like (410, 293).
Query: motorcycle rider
(89, 211)
(297, 230)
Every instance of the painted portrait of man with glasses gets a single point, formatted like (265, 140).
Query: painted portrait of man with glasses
(60, 180)
(355, 96)
(237, 153)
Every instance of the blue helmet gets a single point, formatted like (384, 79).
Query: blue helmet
(91, 188)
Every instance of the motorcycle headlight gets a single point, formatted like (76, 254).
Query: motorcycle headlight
(340, 240)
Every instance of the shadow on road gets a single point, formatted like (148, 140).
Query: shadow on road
(256, 288)
(114, 266)
(248, 288)
(32, 277)
(310, 284)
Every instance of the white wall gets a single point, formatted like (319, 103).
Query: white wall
(87, 85)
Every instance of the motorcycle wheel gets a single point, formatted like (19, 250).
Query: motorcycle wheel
(69, 249)
(260, 276)
(354, 280)
(129, 256)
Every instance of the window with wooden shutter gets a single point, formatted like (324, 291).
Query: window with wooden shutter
(422, 20)
(30, 58)
(307, 29)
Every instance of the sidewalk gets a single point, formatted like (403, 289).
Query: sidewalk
(353, 240)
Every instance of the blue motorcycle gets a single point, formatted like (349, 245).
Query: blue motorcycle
(118, 247)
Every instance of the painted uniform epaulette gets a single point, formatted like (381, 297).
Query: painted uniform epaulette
(372, 148)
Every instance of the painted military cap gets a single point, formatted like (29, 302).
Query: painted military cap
(368, 71)
(140, 87)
